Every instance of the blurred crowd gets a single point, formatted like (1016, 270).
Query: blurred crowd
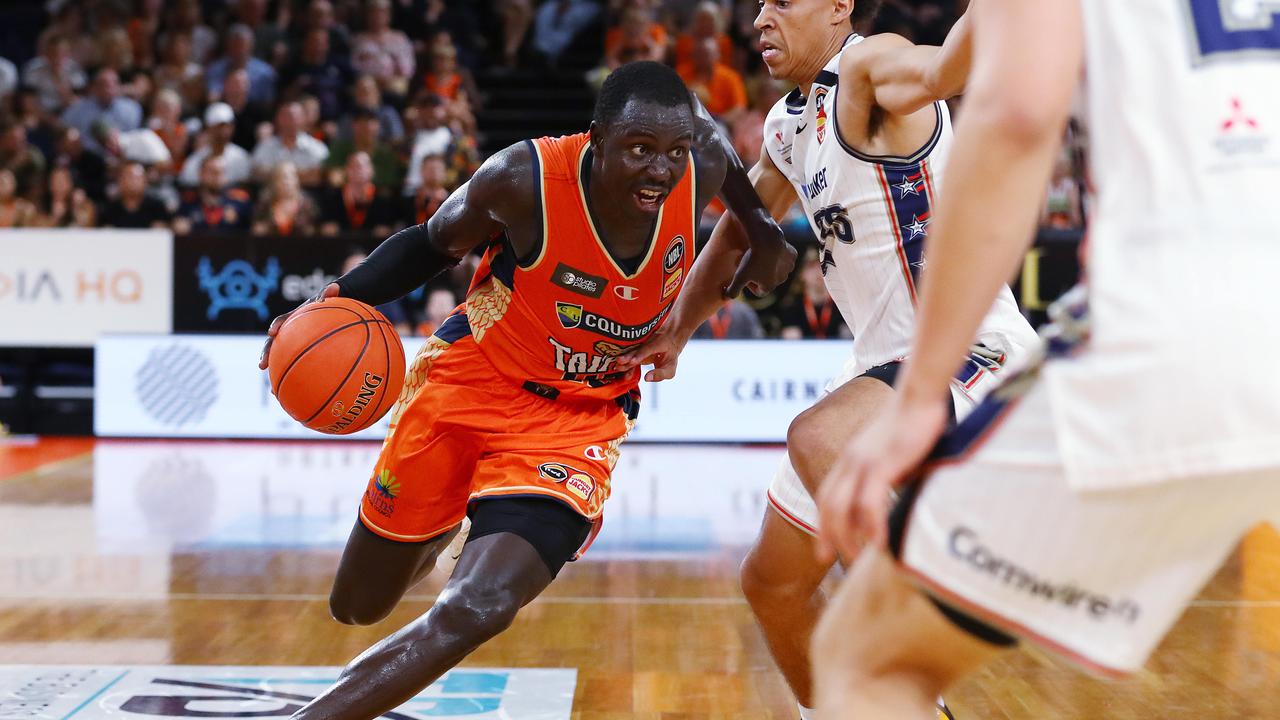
(327, 118)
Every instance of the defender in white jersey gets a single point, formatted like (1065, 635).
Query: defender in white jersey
(1083, 506)
(861, 143)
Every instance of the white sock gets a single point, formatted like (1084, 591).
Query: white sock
(807, 713)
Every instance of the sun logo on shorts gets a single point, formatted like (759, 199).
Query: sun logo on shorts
(387, 485)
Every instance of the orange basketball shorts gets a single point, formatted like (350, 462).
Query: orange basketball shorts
(460, 432)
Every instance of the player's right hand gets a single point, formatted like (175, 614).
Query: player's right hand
(330, 290)
(661, 350)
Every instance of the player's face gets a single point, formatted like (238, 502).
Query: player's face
(645, 153)
(793, 34)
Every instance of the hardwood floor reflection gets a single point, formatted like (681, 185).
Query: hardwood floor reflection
(659, 635)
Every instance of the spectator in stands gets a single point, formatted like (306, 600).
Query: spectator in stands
(116, 52)
(289, 143)
(66, 205)
(558, 23)
(394, 310)
(42, 130)
(707, 22)
(284, 208)
(269, 41)
(516, 18)
(367, 95)
(141, 146)
(177, 72)
(441, 302)
(382, 51)
(166, 122)
(18, 157)
(15, 210)
(637, 36)
(357, 205)
(185, 17)
(262, 77)
(430, 193)
(219, 123)
(1062, 199)
(250, 117)
(432, 136)
(55, 76)
(364, 139)
(321, 74)
(446, 79)
(734, 320)
(747, 132)
(135, 207)
(216, 208)
(718, 86)
(89, 169)
(8, 81)
(103, 104)
(142, 27)
(319, 16)
(811, 313)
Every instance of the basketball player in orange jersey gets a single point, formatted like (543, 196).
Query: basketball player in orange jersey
(1083, 505)
(862, 144)
(514, 410)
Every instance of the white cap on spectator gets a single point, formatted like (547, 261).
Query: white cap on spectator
(218, 113)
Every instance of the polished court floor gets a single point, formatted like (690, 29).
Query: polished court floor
(221, 553)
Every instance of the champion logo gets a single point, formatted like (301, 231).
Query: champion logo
(626, 292)
(1238, 117)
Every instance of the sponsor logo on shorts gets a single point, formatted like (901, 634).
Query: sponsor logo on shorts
(594, 452)
(383, 491)
(965, 546)
(578, 482)
(577, 281)
(574, 316)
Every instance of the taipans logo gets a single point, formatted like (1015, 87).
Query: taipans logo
(604, 347)
(577, 281)
(383, 491)
(573, 316)
(578, 482)
(819, 101)
(176, 385)
(238, 286)
(674, 254)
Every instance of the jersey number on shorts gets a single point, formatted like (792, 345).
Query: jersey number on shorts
(1227, 27)
(833, 223)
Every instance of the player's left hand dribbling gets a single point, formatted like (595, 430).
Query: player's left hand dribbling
(854, 500)
(763, 268)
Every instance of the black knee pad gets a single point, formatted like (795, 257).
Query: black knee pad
(553, 528)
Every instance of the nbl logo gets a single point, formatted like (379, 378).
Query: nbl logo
(675, 253)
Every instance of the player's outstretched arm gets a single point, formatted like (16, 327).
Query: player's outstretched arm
(711, 275)
(904, 77)
(769, 258)
(1027, 59)
(499, 192)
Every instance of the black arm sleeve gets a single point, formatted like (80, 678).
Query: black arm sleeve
(396, 267)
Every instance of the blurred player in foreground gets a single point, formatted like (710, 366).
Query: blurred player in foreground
(1083, 505)
(514, 410)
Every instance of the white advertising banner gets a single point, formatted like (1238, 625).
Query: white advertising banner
(64, 288)
(210, 386)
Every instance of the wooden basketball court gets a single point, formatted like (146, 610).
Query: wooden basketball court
(221, 553)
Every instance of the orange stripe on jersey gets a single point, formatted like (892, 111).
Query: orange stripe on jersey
(562, 318)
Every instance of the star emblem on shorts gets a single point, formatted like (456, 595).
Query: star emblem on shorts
(917, 227)
(908, 186)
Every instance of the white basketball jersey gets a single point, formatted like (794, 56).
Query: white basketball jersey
(1182, 374)
(872, 216)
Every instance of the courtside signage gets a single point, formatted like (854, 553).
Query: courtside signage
(64, 288)
(210, 386)
(80, 692)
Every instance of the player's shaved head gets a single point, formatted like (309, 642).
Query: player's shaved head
(646, 81)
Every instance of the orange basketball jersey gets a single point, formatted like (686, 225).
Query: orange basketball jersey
(561, 319)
